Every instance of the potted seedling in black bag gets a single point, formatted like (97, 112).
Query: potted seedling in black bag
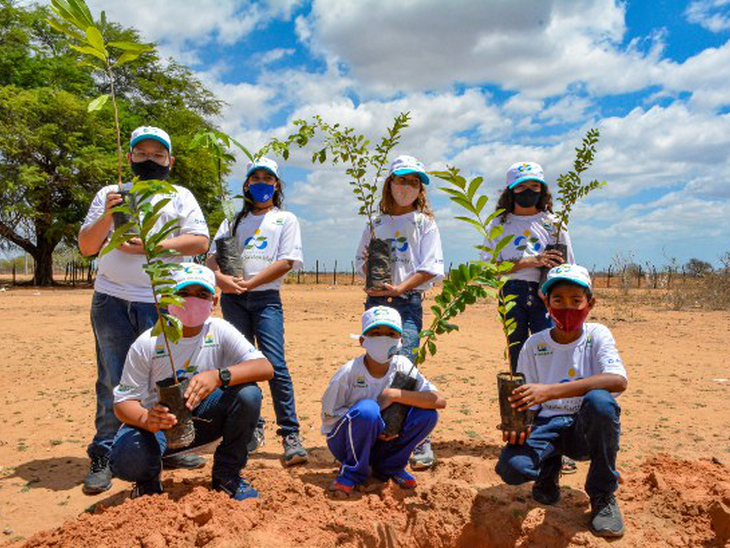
(570, 190)
(138, 215)
(466, 284)
(344, 145)
(493, 277)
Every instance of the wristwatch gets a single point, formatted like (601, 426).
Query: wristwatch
(225, 377)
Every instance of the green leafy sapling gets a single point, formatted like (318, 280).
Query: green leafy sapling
(570, 185)
(76, 22)
(143, 210)
(492, 273)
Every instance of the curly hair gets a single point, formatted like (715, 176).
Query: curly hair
(248, 202)
(387, 202)
(507, 202)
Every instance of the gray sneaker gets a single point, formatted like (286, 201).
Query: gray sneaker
(186, 461)
(423, 457)
(99, 477)
(257, 440)
(606, 519)
(294, 452)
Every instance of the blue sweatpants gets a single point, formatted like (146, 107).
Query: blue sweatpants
(354, 441)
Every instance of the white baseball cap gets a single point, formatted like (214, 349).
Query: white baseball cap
(404, 165)
(524, 171)
(570, 272)
(381, 315)
(263, 163)
(194, 274)
(149, 132)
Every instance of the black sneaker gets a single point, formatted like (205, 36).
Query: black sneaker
(294, 452)
(99, 477)
(186, 461)
(145, 488)
(257, 440)
(606, 519)
(546, 489)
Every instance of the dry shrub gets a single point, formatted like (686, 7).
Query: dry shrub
(710, 291)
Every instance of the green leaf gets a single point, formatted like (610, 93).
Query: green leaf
(88, 50)
(474, 186)
(65, 29)
(98, 103)
(127, 57)
(96, 40)
(131, 46)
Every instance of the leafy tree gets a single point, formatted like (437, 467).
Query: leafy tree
(54, 156)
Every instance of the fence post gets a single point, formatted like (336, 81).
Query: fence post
(334, 275)
(608, 280)
(639, 280)
(656, 280)
(669, 278)
(448, 275)
(316, 272)
(299, 274)
(353, 271)
(13, 273)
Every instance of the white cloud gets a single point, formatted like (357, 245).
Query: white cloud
(714, 15)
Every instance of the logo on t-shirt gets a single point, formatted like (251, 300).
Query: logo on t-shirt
(159, 351)
(544, 349)
(257, 241)
(209, 341)
(279, 221)
(527, 241)
(122, 388)
(399, 243)
(360, 382)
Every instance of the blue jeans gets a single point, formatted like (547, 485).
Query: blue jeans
(233, 412)
(591, 434)
(354, 441)
(530, 314)
(410, 308)
(258, 315)
(117, 324)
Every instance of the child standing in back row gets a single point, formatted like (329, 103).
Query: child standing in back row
(271, 245)
(357, 394)
(418, 262)
(574, 374)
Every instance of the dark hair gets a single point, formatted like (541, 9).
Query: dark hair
(559, 283)
(507, 202)
(386, 200)
(248, 203)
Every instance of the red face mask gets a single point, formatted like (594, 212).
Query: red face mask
(569, 319)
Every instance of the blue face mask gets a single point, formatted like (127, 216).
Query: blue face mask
(261, 192)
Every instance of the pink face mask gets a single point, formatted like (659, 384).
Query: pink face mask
(194, 312)
(404, 195)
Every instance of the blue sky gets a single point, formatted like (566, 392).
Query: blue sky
(488, 83)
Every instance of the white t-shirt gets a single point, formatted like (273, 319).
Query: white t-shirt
(544, 361)
(532, 233)
(265, 239)
(353, 383)
(218, 345)
(120, 274)
(416, 244)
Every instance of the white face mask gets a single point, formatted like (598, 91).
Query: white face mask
(381, 349)
(404, 195)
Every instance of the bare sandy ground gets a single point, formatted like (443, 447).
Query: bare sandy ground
(674, 456)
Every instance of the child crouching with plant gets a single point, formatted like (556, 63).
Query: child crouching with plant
(222, 393)
(573, 374)
(355, 397)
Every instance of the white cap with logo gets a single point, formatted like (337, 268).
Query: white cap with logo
(150, 132)
(405, 165)
(524, 171)
(194, 274)
(263, 163)
(569, 272)
(381, 315)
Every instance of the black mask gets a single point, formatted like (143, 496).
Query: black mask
(526, 198)
(149, 170)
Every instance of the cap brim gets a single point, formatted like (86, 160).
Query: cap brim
(548, 284)
(523, 179)
(383, 322)
(195, 282)
(135, 141)
(254, 168)
(424, 178)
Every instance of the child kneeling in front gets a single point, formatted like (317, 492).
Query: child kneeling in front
(222, 394)
(573, 373)
(355, 397)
